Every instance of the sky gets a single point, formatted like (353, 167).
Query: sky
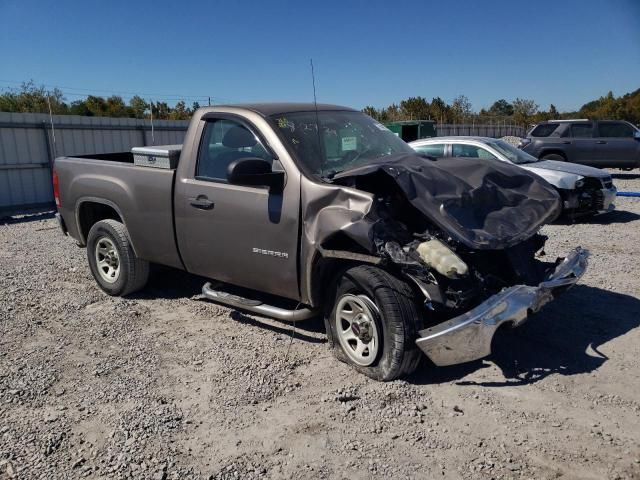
(565, 52)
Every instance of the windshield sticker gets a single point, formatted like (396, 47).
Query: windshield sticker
(284, 123)
(349, 143)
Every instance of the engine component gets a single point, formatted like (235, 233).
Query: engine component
(439, 257)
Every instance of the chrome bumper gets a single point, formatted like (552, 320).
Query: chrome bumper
(468, 336)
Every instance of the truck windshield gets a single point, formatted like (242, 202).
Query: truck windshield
(329, 142)
(512, 153)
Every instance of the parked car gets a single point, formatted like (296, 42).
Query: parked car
(602, 143)
(297, 210)
(584, 190)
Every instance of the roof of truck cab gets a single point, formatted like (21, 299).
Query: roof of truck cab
(268, 109)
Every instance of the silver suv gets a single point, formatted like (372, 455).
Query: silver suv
(602, 143)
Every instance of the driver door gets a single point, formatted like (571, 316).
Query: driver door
(242, 235)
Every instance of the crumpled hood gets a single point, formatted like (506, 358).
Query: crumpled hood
(568, 167)
(484, 204)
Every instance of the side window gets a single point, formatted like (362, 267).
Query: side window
(581, 130)
(223, 142)
(470, 151)
(615, 130)
(433, 150)
(544, 130)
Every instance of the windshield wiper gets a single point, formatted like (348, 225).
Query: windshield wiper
(330, 174)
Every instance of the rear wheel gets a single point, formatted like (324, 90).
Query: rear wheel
(374, 323)
(114, 264)
(554, 156)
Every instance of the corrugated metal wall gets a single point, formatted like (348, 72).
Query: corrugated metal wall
(27, 149)
(480, 130)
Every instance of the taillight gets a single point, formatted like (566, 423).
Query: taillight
(56, 189)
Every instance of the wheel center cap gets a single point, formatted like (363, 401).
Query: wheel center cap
(361, 328)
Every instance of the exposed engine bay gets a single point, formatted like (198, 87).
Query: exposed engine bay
(459, 237)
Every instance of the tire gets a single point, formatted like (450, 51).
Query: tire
(113, 263)
(554, 156)
(388, 313)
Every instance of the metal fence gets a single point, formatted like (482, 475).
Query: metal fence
(480, 130)
(27, 149)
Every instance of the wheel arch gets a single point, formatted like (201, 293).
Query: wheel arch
(553, 151)
(329, 265)
(90, 210)
(324, 274)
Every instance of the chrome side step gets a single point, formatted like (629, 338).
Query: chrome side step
(256, 306)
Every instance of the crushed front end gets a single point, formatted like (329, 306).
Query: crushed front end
(467, 236)
(592, 196)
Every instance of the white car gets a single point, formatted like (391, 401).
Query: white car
(584, 190)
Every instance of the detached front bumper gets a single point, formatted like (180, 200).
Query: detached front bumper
(468, 336)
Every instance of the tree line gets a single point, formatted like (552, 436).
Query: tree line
(36, 99)
(520, 111)
(29, 98)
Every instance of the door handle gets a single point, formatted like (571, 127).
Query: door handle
(601, 142)
(567, 142)
(201, 202)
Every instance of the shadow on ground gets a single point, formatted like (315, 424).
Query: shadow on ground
(611, 218)
(170, 283)
(166, 282)
(617, 216)
(27, 217)
(315, 325)
(564, 338)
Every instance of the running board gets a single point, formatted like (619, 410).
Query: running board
(256, 306)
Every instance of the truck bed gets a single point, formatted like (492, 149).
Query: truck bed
(122, 157)
(142, 197)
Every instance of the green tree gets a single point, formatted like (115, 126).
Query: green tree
(97, 106)
(440, 111)
(393, 113)
(79, 107)
(115, 107)
(33, 99)
(415, 108)
(524, 110)
(160, 110)
(180, 112)
(371, 111)
(501, 108)
(138, 106)
(607, 107)
(461, 109)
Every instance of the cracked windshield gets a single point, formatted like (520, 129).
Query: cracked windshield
(344, 140)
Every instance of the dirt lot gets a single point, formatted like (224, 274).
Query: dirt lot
(166, 385)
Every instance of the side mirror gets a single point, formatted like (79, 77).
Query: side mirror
(254, 171)
(636, 134)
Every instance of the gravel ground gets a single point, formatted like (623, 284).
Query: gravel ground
(164, 385)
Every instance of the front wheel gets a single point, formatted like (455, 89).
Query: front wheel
(114, 264)
(374, 323)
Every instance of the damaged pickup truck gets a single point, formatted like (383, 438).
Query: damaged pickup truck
(296, 211)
